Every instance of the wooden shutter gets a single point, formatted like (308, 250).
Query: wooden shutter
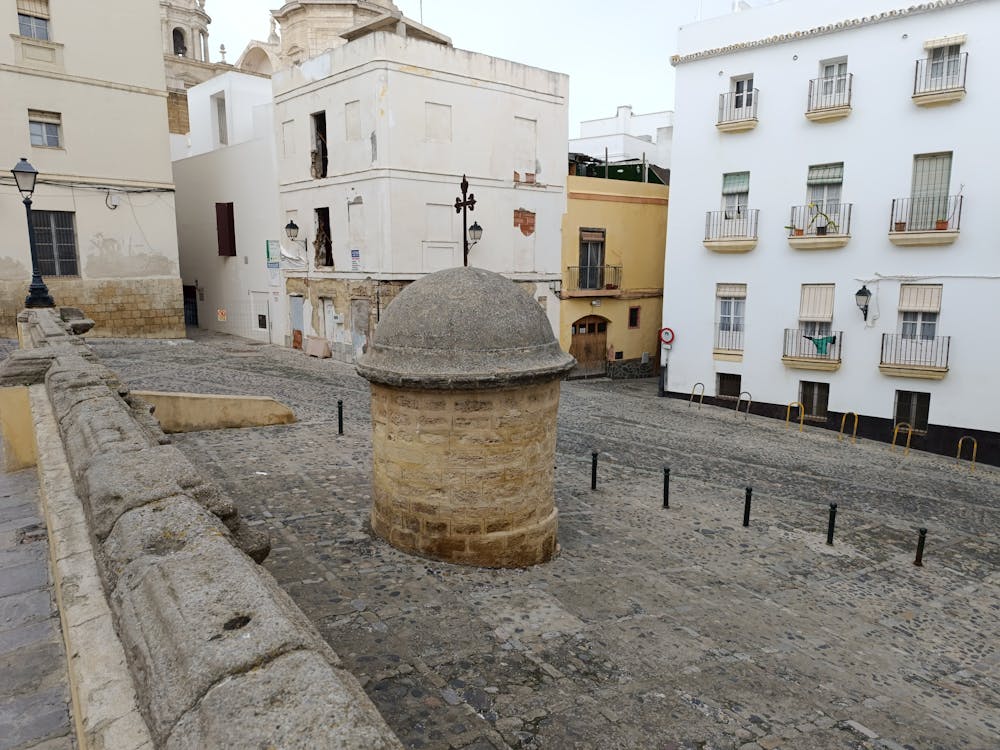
(226, 228)
(816, 303)
(920, 298)
(37, 8)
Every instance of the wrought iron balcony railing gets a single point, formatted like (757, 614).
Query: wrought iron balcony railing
(830, 92)
(940, 74)
(729, 335)
(800, 345)
(586, 278)
(735, 223)
(812, 220)
(926, 214)
(737, 106)
(915, 351)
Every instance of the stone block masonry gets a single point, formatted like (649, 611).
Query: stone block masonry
(120, 308)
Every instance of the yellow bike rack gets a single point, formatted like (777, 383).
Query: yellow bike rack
(739, 400)
(701, 400)
(802, 414)
(909, 436)
(843, 422)
(975, 448)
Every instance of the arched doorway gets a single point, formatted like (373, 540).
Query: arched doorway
(590, 345)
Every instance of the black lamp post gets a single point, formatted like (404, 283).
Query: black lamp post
(862, 297)
(25, 176)
(475, 233)
(292, 230)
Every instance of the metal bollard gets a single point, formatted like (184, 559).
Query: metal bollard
(919, 562)
(746, 507)
(340, 417)
(593, 470)
(666, 486)
(833, 520)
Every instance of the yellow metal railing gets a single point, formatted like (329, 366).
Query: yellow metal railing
(975, 449)
(909, 436)
(701, 400)
(802, 414)
(749, 400)
(843, 423)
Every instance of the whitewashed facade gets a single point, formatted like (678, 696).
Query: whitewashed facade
(627, 136)
(373, 140)
(879, 114)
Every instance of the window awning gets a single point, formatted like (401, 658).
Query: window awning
(816, 303)
(826, 174)
(37, 8)
(591, 235)
(941, 41)
(920, 298)
(735, 182)
(737, 291)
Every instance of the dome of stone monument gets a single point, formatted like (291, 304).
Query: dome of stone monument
(463, 328)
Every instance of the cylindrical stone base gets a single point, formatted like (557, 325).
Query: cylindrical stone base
(466, 476)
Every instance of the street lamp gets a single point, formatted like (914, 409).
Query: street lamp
(292, 230)
(25, 176)
(467, 202)
(862, 297)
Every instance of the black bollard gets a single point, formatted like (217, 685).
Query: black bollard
(746, 507)
(666, 486)
(833, 520)
(340, 417)
(919, 562)
(593, 470)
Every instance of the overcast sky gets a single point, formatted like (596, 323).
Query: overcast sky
(615, 51)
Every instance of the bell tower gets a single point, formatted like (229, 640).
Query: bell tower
(184, 25)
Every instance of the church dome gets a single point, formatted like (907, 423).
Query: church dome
(463, 328)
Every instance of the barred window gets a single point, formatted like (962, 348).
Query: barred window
(55, 240)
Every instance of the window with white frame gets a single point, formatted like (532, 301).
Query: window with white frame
(735, 194)
(33, 19)
(824, 183)
(44, 128)
(944, 68)
(816, 310)
(55, 242)
(919, 307)
(730, 308)
(833, 77)
(742, 90)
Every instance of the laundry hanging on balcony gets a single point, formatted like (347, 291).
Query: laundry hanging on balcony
(822, 343)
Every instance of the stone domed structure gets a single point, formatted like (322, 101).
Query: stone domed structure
(464, 371)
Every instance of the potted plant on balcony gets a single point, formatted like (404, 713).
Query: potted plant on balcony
(942, 222)
(794, 231)
(828, 224)
(899, 226)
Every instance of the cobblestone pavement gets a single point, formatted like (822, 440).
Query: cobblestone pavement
(34, 692)
(669, 629)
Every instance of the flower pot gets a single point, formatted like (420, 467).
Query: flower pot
(820, 231)
(941, 224)
(899, 226)
(798, 232)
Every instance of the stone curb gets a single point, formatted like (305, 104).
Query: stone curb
(105, 707)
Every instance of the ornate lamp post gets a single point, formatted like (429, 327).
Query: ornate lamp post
(462, 205)
(25, 176)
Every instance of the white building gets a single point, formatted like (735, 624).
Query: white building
(94, 125)
(861, 123)
(228, 211)
(373, 140)
(627, 137)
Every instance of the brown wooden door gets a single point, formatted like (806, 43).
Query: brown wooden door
(590, 345)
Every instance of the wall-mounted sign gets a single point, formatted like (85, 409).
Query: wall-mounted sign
(355, 259)
(273, 250)
(220, 315)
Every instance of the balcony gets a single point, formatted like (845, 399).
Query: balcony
(737, 111)
(829, 98)
(912, 356)
(593, 281)
(813, 228)
(811, 352)
(731, 231)
(729, 341)
(940, 81)
(927, 220)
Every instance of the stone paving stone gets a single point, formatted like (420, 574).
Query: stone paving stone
(672, 629)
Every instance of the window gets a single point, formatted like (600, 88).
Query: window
(320, 153)
(814, 397)
(324, 239)
(55, 241)
(742, 88)
(816, 310)
(929, 193)
(823, 184)
(913, 408)
(221, 122)
(225, 228)
(33, 19)
(633, 317)
(945, 66)
(833, 75)
(180, 47)
(44, 128)
(919, 306)
(728, 385)
(730, 310)
(592, 258)
(735, 193)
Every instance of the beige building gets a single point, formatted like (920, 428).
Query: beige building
(95, 129)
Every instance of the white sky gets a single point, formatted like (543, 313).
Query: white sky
(615, 51)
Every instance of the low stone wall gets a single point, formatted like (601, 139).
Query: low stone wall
(219, 654)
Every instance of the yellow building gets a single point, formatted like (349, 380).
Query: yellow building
(614, 239)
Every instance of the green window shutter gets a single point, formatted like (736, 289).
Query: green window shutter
(735, 182)
(826, 174)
